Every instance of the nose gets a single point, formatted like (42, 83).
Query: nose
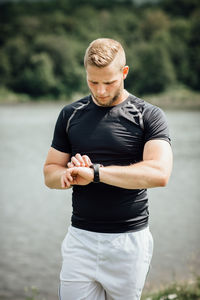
(101, 90)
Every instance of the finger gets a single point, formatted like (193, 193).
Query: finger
(73, 176)
(69, 177)
(87, 160)
(75, 161)
(64, 182)
(80, 159)
(70, 165)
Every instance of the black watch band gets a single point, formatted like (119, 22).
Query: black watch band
(96, 167)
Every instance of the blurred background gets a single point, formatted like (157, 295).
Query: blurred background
(42, 45)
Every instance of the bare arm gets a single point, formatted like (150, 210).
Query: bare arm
(153, 171)
(54, 168)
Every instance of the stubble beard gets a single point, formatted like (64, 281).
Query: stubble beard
(111, 101)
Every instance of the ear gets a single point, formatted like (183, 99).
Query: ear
(125, 71)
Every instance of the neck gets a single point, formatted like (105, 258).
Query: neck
(124, 95)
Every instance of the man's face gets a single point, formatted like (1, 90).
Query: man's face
(106, 84)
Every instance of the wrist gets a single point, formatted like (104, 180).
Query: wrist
(96, 177)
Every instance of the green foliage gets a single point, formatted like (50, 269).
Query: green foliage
(42, 43)
(152, 72)
(65, 54)
(179, 49)
(32, 294)
(154, 22)
(180, 7)
(184, 291)
(17, 51)
(38, 78)
(194, 53)
(5, 68)
(187, 291)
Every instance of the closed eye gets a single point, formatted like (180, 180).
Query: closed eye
(107, 83)
(111, 82)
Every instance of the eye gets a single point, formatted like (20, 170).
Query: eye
(109, 83)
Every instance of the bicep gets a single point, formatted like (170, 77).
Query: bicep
(55, 157)
(159, 151)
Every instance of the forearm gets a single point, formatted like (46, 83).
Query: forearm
(145, 174)
(153, 171)
(52, 176)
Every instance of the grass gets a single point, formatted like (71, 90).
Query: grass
(32, 293)
(184, 291)
(176, 291)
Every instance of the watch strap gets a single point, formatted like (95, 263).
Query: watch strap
(96, 167)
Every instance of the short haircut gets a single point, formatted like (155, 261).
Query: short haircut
(103, 51)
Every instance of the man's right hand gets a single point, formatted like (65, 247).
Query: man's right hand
(79, 161)
(76, 176)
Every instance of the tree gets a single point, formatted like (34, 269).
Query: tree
(151, 70)
(38, 78)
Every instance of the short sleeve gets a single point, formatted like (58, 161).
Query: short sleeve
(60, 138)
(156, 126)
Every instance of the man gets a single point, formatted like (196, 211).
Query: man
(110, 147)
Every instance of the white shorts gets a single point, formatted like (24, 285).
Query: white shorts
(99, 266)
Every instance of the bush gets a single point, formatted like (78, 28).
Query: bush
(42, 43)
(151, 70)
(5, 68)
(194, 54)
(179, 50)
(37, 79)
(64, 53)
(17, 51)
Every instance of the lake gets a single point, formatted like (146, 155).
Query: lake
(34, 219)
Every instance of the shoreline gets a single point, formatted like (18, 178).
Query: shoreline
(175, 98)
(168, 105)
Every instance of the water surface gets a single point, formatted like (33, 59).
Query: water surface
(34, 219)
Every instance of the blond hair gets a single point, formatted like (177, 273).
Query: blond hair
(103, 51)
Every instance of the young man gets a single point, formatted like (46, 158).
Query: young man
(110, 147)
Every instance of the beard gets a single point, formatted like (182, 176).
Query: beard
(110, 102)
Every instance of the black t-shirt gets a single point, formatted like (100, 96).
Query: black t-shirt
(110, 136)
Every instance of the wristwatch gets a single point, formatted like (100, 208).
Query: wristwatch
(96, 167)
